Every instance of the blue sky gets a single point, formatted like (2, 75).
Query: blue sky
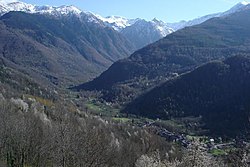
(166, 10)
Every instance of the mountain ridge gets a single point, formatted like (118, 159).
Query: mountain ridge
(218, 92)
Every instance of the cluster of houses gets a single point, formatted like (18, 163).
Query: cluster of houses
(170, 136)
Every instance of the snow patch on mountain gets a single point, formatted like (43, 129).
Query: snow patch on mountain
(245, 3)
(20, 6)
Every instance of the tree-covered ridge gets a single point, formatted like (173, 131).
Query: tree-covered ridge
(218, 91)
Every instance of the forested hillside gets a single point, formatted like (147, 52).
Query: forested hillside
(218, 92)
(59, 49)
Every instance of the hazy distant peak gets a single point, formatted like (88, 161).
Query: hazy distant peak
(236, 8)
(240, 5)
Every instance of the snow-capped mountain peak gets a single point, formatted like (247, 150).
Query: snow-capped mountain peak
(20, 6)
(116, 22)
(119, 23)
(15, 5)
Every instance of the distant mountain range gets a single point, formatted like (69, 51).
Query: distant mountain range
(177, 53)
(120, 23)
(139, 31)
